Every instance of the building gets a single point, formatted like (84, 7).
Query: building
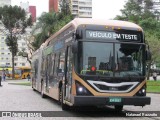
(156, 7)
(79, 8)
(82, 8)
(5, 2)
(6, 56)
(32, 11)
(53, 5)
(25, 6)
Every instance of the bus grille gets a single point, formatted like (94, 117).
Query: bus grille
(122, 87)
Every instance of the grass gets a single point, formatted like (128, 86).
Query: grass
(22, 83)
(153, 86)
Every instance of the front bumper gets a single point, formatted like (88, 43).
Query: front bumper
(96, 101)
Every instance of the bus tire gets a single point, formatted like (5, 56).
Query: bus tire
(33, 89)
(42, 91)
(118, 108)
(64, 106)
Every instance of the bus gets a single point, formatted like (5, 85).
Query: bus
(93, 62)
(7, 70)
(20, 72)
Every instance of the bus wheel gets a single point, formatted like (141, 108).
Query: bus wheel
(64, 106)
(42, 91)
(118, 108)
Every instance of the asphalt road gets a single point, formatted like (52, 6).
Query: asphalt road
(22, 99)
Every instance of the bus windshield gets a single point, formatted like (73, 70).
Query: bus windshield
(18, 71)
(111, 59)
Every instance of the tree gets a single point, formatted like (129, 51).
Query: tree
(137, 10)
(50, 23)
(47, 23)
(154, 44)
(132, 11)
(142, 13)
(24, 54)
(15, 21)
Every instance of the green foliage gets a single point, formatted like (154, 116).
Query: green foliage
(50, 23)
(141, 12)
(12, 44)
(131, 12)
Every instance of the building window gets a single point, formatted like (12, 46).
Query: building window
(15, 64)
(15, 59)
(9, 53)
(23, 64)
(7, 64)
(2, 53)
(23, 44)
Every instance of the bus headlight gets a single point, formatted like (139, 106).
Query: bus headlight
(81, 90)
(142, 91)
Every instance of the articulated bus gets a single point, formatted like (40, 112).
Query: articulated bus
(93, 62)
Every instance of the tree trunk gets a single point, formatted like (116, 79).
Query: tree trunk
(28, 60)
(12, 64)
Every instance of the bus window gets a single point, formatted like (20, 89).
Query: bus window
(61, 64)
(56, 64)
(54, 60)
(101, 58)
(69, 65)
(51, 64)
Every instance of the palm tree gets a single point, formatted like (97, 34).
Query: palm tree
(47, 24)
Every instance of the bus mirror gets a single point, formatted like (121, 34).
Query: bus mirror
(79, 34)
(148, 55)
(75, 47)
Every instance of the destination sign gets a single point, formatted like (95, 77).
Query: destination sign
(111, 35)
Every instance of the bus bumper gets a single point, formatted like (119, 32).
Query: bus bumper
(96, 101)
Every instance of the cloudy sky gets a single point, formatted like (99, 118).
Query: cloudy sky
(102, 9)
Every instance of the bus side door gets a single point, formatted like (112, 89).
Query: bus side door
(68, 73)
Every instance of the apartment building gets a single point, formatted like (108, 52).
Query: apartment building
(79, 8)
(6, 56)
(82, 8)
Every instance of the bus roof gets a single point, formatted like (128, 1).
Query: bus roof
(23, 67)
(90, 21)
(79, 21)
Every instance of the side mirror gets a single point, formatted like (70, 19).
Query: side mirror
(75, 47)
(79, 34)
(148, 55)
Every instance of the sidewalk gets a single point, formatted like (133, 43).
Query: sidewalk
(13, 81)
(151, 78)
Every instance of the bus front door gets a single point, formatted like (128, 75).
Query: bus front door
(68, 74)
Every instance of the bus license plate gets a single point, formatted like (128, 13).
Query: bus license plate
(115, 100)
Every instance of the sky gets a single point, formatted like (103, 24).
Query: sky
(101, 9)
